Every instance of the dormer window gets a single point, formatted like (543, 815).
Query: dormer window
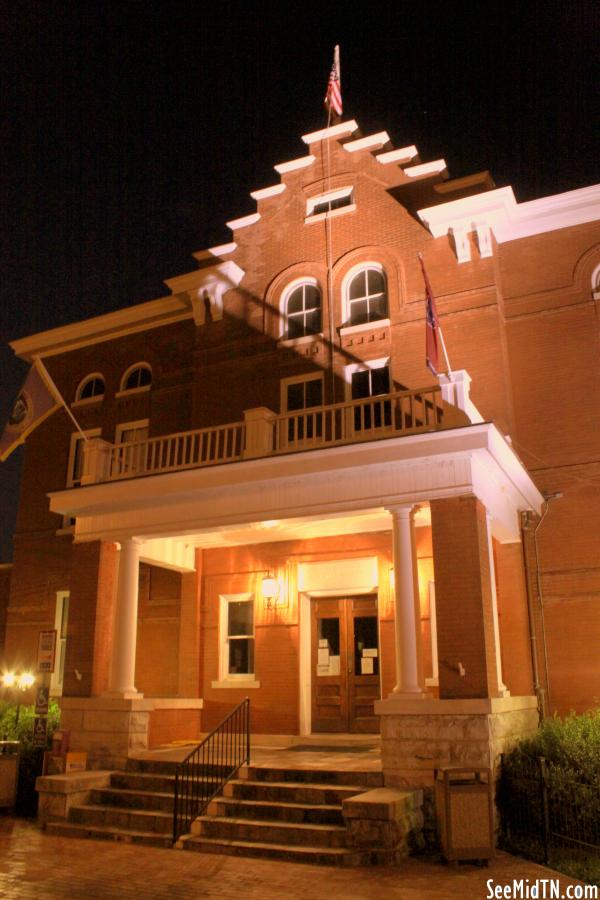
(367, 299)
(91, 388)
(338, 201)
(302, 310)
(137, 378)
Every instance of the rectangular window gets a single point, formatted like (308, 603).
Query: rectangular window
(303, 393)
(131, 459)
(60, 623)
(237, 636)
(371, 383)
(75, 463)
(343, 198)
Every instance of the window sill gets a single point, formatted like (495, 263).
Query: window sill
(320, 217)
(364, 326)
(87, 401)
(242, 684)
(295, 342)
(133, 391)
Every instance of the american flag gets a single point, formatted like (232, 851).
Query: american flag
(333, 97)
(431, 324)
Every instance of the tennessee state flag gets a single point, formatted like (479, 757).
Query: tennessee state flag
(34, 404)
(432, 325)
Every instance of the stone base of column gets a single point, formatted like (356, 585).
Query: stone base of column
(123, 695)
(409, 695)
(111, 729)
(419, 736)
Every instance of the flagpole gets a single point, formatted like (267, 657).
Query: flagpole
(443, 343)
(54, 390)
(328, 248)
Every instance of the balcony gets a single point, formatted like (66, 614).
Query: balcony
(264, 434)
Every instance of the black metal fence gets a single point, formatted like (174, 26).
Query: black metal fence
(210, 765)
(545, 814)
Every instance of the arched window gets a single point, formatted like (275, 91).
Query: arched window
(91, 388)
(596, 283)
(302, 309)
(136, 377)
(367, 299)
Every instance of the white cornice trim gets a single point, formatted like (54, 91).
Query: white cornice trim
(228, 271)
(141, 317)
(212, 252)
(243, 222)
(368, 143)
(265, 193)
(404, 155)
(333, 132)
(437, 167)
(510, 220)
(301, 163)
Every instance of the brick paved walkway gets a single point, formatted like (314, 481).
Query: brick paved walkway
(36, 865)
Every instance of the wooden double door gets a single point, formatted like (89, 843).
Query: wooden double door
(345, 664)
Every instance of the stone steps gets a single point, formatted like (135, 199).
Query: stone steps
(119, 818)
(318, 814)
(132, 799)
(270, 832)
(290, 792)
(322, 856)
(108, 833)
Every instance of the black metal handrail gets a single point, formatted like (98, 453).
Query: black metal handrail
(209, 766)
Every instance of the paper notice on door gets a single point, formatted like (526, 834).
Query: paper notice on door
(323, 642)
(322, 670)
(366, 665)
(334, 665)
(370, 651)
(323, 656)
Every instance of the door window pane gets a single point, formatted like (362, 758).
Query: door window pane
(366, 653)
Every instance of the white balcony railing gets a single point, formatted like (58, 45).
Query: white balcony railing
(265, 434)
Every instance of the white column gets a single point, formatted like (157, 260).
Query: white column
(407, 614)
(122, 677)
(502, 689)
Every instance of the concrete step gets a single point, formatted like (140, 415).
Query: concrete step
(129, 799)
(313, 776)
(165, 767)
(290, 792)
(257, 831)
(324, 856)
(104, 832)
(142, 781)
(317, 814)
(140, 820)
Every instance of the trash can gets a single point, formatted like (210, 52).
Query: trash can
(9, 773)
(465, 813)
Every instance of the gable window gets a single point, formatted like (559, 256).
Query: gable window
(371, 381)
(304, 392)
(367, 299)
(341, 200)
(137, 378)
(303, 310)
(91, 388)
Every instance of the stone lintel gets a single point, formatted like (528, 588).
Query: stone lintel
(393, 706)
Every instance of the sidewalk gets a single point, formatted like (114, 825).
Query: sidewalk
(36, 865)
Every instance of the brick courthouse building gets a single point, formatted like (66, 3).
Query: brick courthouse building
(276, 499)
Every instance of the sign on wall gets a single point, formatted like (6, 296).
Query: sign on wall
(46, 651)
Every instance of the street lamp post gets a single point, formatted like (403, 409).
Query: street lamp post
(18, 684)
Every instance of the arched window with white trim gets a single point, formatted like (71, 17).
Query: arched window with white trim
(91, 388)
(302, 309)
(596, 283)
(137, 377)
(366, 297)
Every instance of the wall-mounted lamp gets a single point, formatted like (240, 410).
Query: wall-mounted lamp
(270, 591)
(21, 682)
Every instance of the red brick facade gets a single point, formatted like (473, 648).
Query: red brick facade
(522, 322)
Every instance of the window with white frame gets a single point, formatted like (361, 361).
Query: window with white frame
(341, 199)
(236, 637)
(131, 441)
(303, 392)
(91, 388)
(60, 623)
(302, 309)
(366, 296)
(75, 463)
(137, 378)
(596, 283)
(365, 380)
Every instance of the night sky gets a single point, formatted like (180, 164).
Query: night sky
(134, 130)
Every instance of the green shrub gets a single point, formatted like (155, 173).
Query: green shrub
(571, 745)
(31, 758)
